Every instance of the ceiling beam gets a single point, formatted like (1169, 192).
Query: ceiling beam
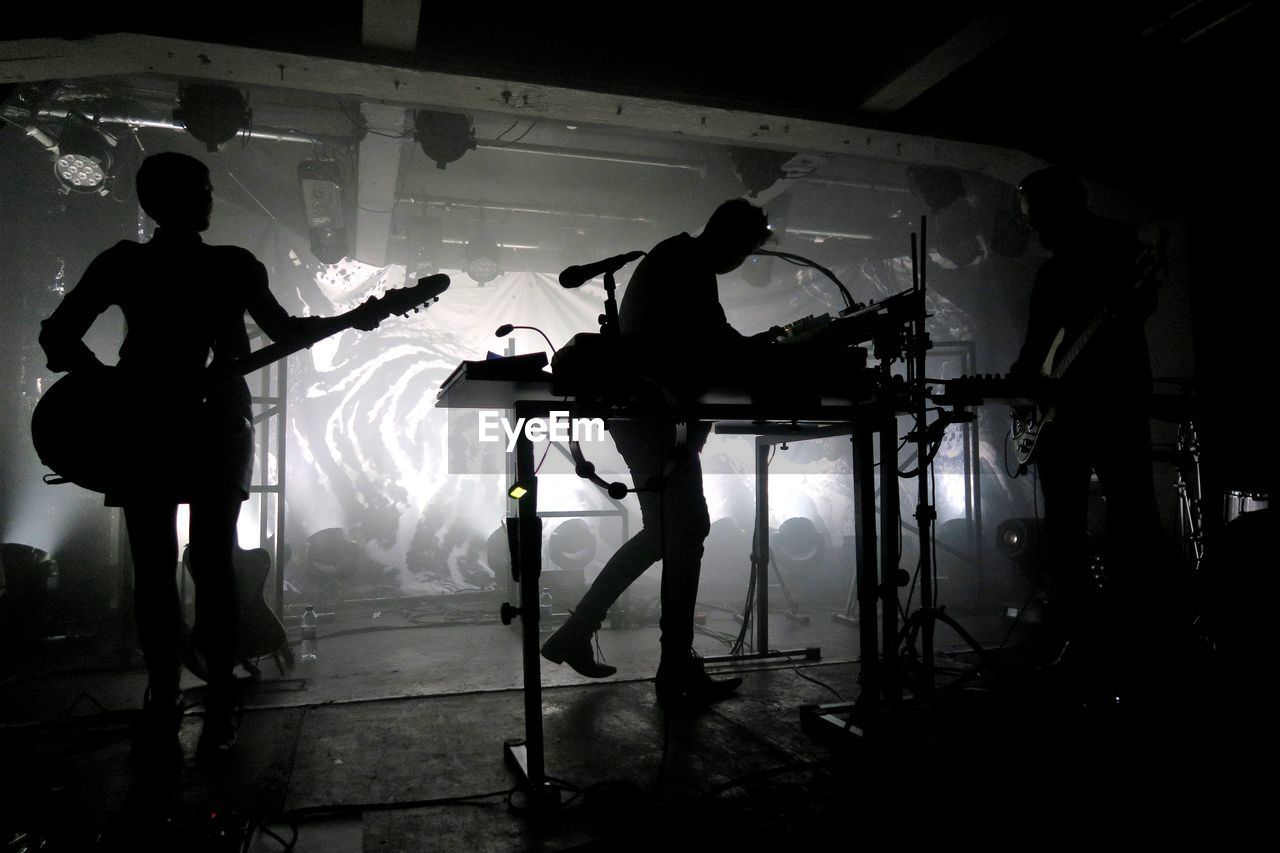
(30, 60)
(967, 44)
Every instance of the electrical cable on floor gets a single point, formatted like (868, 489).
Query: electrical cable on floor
(377, 629)
(821, 684)
(293, 816)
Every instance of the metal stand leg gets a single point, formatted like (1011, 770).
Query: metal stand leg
(526, 757)
(760, 560)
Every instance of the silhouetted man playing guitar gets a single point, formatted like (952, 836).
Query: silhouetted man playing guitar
(184, 304)
(1088, 306)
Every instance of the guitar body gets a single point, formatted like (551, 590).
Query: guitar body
(1028, 425)
(261, 632)
(82, 430)
(85, 427)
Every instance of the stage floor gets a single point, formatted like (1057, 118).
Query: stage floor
(414, 704)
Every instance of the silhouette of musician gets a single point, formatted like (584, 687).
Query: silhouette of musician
(672, 305)
(1100, 426)
(184, 304)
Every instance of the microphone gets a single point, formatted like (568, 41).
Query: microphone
(507, 328)
(577, 276)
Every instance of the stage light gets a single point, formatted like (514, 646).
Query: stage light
(482, 258)
(85, 161)
(498, 552)
(955, 241)
(26, 572)
(212, 114)
(757, 168)
(321, 185)
(444, 137)
(1020, 538)
(798, 543)
(572, 545)
(330, 551)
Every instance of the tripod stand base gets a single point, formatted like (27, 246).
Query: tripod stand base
(543, 798)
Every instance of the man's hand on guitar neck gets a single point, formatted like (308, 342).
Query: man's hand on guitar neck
(306, 331)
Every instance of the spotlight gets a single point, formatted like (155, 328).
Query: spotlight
(572, 545)
(330, 551)
(321, 185)
(26, 572)
(482, 258)
(938, 186)
(955, 240)
(799, 543)
(444, 137)
(498, 551)
(212, 114)
(757, 168)
(330, 564)
(1020, 538)
(84, 162)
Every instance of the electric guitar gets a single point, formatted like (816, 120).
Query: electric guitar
(1030, 422)
(259, 631)
(86, 433)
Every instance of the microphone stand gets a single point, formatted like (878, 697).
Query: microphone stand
(609, 325)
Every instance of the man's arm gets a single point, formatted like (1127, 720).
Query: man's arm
(1041, 328)
(279, 324)
(62, 333)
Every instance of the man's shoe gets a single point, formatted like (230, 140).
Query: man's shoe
(571, 644)
(156, 750)
(682, 682)
(217, 741)
(218, 735)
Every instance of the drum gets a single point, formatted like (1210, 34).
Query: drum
(1239, 502)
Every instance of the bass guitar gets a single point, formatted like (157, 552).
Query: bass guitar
(1030, 422)
(83, 431)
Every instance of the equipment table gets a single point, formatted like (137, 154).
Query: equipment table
(860, 414)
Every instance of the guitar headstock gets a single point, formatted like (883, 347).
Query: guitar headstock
(403, 300)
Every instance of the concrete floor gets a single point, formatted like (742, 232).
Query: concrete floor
(411, 702)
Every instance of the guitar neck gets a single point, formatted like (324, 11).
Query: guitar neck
(1082, 340)
(273, 352)
(396, 301)
(1149, 259)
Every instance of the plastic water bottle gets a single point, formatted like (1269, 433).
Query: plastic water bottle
(544, 605)
(310, 646)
